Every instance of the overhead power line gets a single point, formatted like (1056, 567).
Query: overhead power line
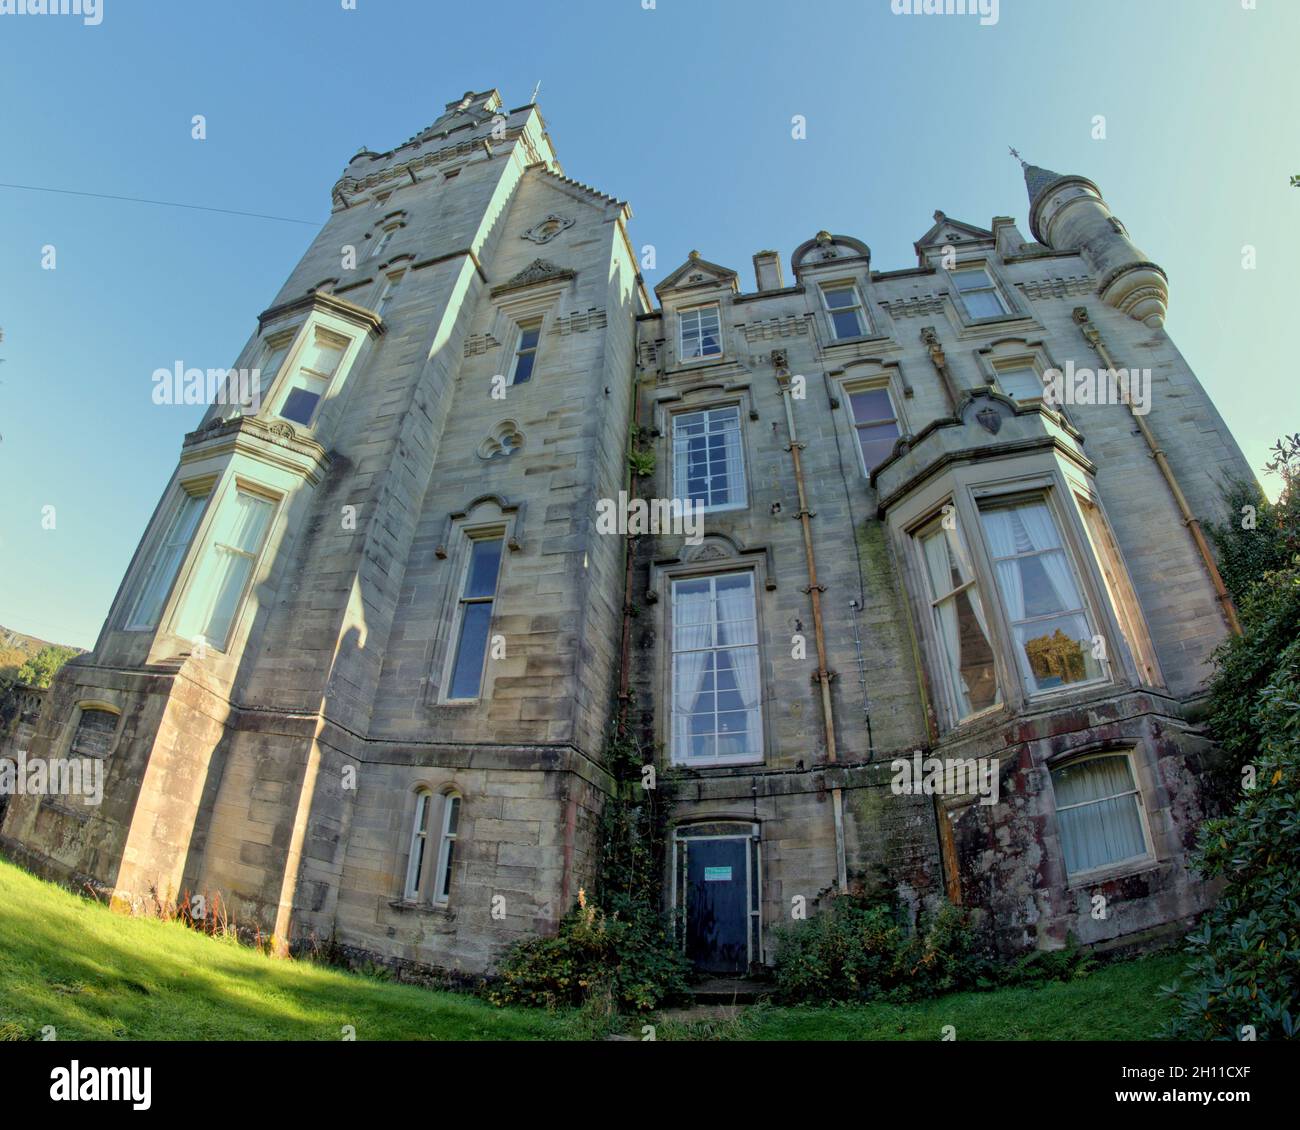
(160, 203)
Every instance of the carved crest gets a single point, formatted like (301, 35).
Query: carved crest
(990, 419)
(546, 230)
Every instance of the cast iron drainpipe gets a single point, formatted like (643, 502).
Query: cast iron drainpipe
(815, 591)
(1093, 336)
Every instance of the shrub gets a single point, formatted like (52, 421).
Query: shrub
(596, 959)
(1244, 966)
(1244, 957)
(862, 948)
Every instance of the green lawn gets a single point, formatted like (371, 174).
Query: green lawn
(97, 975)
(1116, 1002)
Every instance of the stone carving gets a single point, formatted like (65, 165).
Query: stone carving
(990, 419)
(538, 271)
(547, 229)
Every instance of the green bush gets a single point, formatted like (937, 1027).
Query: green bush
(1244, 956)
(1244, 966)
(596, 959)
(862, 948)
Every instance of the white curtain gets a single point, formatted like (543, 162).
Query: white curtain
(1000, 528)
(1106, 827)
(693, 630)
(1040, 528)
(736, 607)
(735, 462)
(938, 564)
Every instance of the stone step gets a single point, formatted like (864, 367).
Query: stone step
(729, 990)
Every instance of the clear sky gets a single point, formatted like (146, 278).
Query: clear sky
(683, 109)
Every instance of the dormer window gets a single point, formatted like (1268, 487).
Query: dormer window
(844, 310)
(701, 332)
(979, 293)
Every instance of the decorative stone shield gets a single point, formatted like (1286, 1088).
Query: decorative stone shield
(990, 419)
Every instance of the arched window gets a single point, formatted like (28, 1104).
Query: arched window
(419, 841)
(434, 831)
(447, 847)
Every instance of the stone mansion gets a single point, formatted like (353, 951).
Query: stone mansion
(358, 677)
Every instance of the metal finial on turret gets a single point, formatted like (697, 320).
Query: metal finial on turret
(1023, 163)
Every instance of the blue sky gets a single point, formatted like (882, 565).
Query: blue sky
(684, 110)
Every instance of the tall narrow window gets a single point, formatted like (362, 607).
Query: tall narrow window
(1022, 383)
(447, 847)
(876, 422)
(386, 293)
(1120, 590)
(419, 843)
(701, 333)
(979, 293)
(167, 559)
(959, 621)
(317, 363)
(1050, 624)
(272, 358)
(1098, 811)
(708, 460)
(530, 333)
(385, 238)
(474, 618)
(844, 308)
(716, 718)
(223, 578)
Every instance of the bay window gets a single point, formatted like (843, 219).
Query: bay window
(318, 361)
(167, 557)
(1052, 629)
(226, 570)
(960, 622)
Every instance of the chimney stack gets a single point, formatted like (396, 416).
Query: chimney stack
(767, 270)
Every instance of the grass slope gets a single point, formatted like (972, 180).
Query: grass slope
(97, 975)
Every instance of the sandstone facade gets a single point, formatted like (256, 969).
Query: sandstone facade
(278, 686)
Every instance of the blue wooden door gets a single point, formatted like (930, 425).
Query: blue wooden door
(717, 905)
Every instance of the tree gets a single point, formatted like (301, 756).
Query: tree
(1243, 979)
(40, 669)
